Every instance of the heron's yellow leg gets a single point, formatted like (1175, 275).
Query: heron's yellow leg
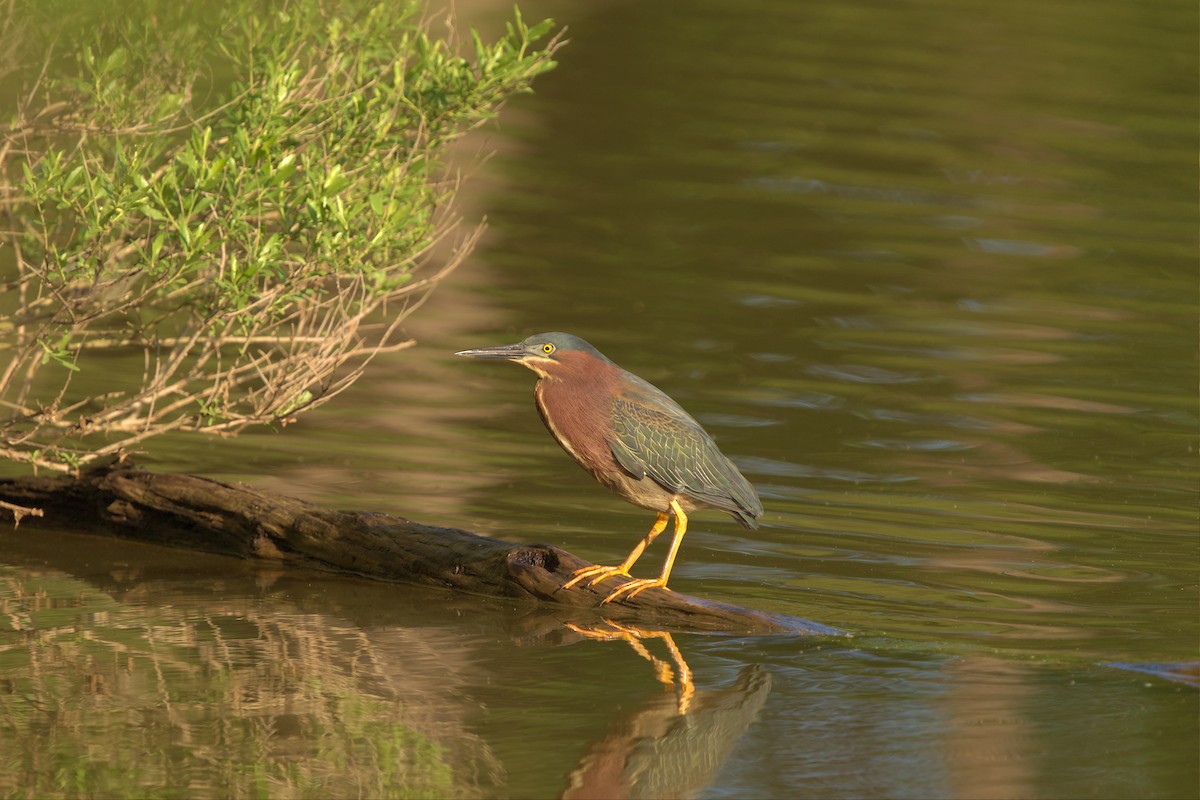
(600, 573)
(633, 588)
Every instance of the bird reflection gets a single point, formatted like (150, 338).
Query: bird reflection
(674, 745)
(662, 670)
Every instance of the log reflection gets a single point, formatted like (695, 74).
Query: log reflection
(123, 667)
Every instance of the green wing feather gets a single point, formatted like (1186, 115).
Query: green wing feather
(653, 436)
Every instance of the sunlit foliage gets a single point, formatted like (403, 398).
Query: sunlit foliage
(233, 196)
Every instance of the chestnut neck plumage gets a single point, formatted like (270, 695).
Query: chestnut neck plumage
(574, 399)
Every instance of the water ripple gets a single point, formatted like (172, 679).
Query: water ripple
(736, 421)
(1032, 400)
(922, 445)
(1016, 247)
(862, 373)
(814, 400)
(771, 466)
(767, 301)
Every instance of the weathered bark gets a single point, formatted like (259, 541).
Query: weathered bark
(232, 519)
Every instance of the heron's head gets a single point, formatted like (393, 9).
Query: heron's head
(544, 353)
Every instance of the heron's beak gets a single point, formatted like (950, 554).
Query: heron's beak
(506, 352)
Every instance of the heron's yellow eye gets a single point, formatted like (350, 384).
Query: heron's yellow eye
(547, 348)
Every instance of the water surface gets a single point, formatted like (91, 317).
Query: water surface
(926, 272)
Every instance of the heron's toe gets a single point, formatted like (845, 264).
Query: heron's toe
(595, 571)
(634, 588)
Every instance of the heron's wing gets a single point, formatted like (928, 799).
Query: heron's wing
(653, 436)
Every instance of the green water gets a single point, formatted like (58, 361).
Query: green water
(927, 272)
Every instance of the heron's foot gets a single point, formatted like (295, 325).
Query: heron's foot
(634, 588)
(597, 572)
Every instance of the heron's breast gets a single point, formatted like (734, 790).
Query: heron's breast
(580, 420)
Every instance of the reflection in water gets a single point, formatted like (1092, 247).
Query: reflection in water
(984, 708)
(139, 685)
(212, 676)
(667, 748)
(928, 270)
(660, 750)
(662, 670)
(1185, 672)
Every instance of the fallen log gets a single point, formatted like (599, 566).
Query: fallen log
(188, 511)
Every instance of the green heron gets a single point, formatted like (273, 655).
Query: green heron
(633, 439)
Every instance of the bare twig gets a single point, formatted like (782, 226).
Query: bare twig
(20, 512)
